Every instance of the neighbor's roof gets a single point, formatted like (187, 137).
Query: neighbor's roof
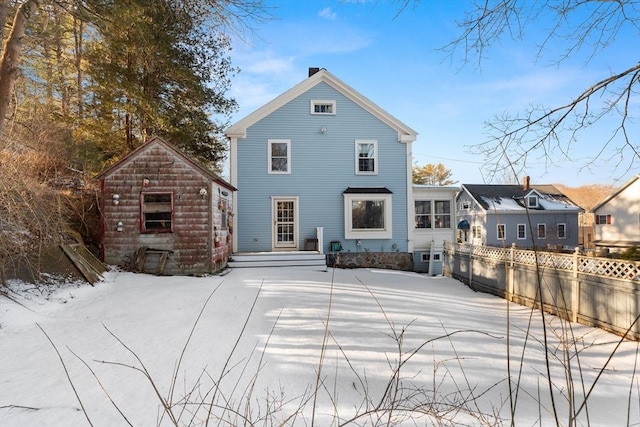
(157, 140)
(239, 129)
(510, 198)
(615, 193)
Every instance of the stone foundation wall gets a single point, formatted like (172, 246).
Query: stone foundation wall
(386, 260)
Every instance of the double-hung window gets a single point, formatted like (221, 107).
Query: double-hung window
(432, 214)
(423, 214)
(476, 231)
(542, 231)
(562, 231)
(279, 156)
(367, 215)
(522, 231)
(156, 212)
(366, 157)
(501, 231)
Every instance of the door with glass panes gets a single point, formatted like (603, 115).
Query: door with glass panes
(285, 227)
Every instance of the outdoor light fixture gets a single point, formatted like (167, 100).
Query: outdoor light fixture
(116, 199)
(145, 182)
(323, 130)
(119, 226)
(203, 192)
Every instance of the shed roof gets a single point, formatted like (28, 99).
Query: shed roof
(239, 129)
(170, 147)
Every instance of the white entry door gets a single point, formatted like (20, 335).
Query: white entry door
(285, 227)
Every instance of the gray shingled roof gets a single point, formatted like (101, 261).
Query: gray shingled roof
(493, 196)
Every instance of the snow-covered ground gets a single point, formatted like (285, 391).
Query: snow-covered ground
(255, 354)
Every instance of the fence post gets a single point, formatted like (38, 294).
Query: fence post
(471, 266)
(510, 273)
(575, 287)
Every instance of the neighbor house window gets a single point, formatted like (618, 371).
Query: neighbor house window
(156, 212)
(464, 205)
(366, 157)
(501, 231)
(603, 219)
(279, 156)
(562, 231)
(476, 231)
(522, 231)
(532, 201)
(367, 216)
(323, 107)
(542, 231)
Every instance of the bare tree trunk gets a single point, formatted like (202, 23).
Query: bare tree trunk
(11, 56)
(4, 8)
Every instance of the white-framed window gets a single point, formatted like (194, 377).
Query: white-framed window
(532, 201)
(522, 231)
(562, 231)
(426, 256)
(323, 106)
(464, 204)
(501, 228)
(432, 214)
(542, 231)
(423, 214)
(224, 217)
(279, 156)
(442, 214)
(476, 231)
(436, 257)
(367, 216)
(366, 157)
(603, 219)
(156, 212)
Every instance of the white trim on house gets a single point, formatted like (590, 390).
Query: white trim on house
(239, 129)
(376, 161)
(385, 232)
(270, 156)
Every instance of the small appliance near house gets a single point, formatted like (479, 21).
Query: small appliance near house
(164, 213)
(321, 163)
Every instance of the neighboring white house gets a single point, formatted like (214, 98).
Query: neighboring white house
(434, 223)
(618, 217)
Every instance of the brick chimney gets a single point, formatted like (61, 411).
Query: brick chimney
(526, 185)
(313, 70)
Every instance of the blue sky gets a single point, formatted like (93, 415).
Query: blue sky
(393, 59)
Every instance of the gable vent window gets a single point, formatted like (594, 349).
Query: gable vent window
(323, 107)
(156, 212)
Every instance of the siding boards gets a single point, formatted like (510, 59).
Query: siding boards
(322, 167)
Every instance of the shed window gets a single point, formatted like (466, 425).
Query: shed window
(156, 212)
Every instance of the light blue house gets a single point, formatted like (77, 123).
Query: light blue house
(322, 168)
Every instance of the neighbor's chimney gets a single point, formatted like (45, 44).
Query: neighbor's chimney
(313, 70)
(525, 183)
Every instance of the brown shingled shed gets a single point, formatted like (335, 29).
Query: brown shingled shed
(164, 213)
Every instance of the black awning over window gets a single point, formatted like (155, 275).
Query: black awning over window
(463, 225)
(367, 190)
